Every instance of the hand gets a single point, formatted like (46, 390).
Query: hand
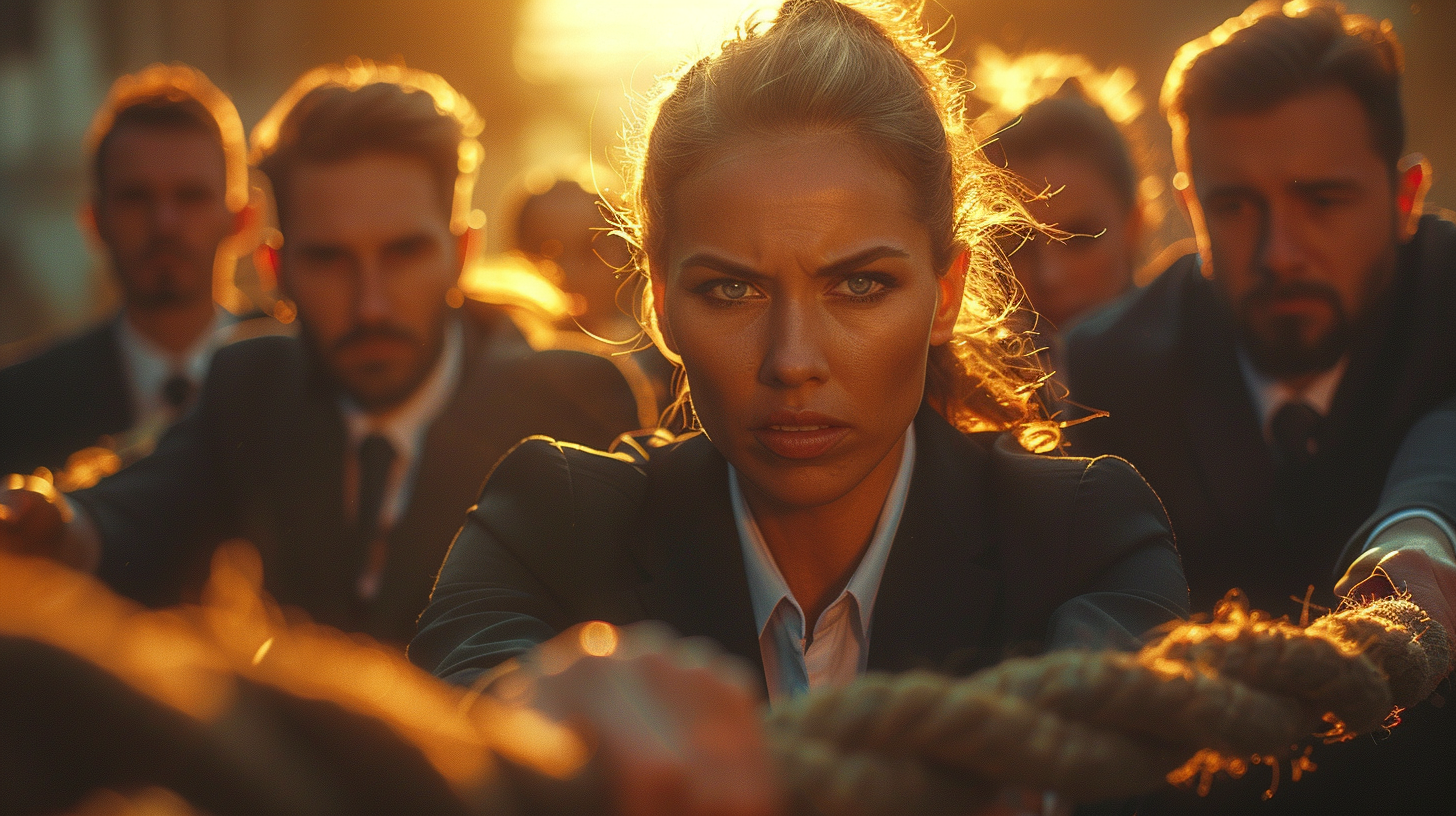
(1414, 556)
(675, 721)
(35, 519)
(31, 521)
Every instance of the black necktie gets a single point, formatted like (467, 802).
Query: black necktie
(177, 392)
(1295, 429)
(376, 456)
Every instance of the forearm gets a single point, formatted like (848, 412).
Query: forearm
(80, 544)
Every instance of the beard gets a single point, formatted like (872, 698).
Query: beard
(1285, 344)
(377, 384)
(167, 274)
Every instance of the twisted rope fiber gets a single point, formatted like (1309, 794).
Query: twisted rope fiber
(1103, 725)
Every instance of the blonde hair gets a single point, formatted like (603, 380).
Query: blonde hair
(871, 73)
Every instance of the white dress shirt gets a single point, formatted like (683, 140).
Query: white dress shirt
(1271, 393)
(405, 427)
(840, 647)
(149, 366)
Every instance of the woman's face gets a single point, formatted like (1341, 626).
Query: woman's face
(800, 290)
(1067, 279)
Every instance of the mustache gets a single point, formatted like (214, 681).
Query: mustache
(387, 331)
(166, 247)
(1274, 290)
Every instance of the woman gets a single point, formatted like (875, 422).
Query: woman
(1068, 146)
(816, 233)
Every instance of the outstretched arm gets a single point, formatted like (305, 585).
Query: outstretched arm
(1407, 545)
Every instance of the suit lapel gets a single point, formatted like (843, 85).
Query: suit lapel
(940, 593)
(1221, 422)
(306, 476)
(112, 388)
(454, 459)
(696, 579)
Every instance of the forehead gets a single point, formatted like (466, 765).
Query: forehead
(558, 213)
(1317, 135)
(373, 196)
(162, 155)
(811, 193)
(1077, 184)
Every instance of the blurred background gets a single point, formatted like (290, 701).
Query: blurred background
(552, 79)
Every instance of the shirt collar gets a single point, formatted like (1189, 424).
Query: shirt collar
(1270, 393)
(149, 365)
(767, 588)
(405, 424)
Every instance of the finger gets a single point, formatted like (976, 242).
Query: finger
(1360, 570)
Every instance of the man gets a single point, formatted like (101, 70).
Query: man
(1263, 385)
(170, 193)
(349, 454)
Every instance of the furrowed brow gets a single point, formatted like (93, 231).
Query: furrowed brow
(860, 259)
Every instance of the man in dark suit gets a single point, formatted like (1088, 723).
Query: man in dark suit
(1263, 385)
(349, 454)
(170, 193)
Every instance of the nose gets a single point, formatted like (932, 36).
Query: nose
(372, 305)
(166, 215)
(1281, 249)
(797, 342)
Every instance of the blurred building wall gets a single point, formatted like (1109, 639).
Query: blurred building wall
(58, 56)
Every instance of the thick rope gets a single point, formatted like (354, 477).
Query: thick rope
(1095, 726)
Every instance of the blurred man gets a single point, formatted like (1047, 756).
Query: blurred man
(563, 230)
(349, 454)
(1263, 385)
(169, 189)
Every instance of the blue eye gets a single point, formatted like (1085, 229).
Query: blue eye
(733, 290)
(861, 287)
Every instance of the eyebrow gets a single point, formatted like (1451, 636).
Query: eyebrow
(839, 267)
(1325, 186)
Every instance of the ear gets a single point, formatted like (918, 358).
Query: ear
(248, 220)
(951, 289)
(1410, 192)
(86, 219)
(659, 314)
(266, 261)
(467, 244)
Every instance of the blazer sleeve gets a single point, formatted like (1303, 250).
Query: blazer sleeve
(158, 518)
(536, 553)
(1422, 477)
(1142, 586)
(589, 402)
(1095, 557)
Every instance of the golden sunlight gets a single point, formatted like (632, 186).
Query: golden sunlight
(592, 44)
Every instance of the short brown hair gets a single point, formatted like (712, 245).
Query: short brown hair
(1272, 53)
(173, 97)
(337, 112)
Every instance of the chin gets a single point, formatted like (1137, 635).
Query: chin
(800, 485)
(377, 391)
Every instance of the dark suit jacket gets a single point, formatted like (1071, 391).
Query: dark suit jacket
(1422, 477)
(1162, 362)
(62, 400)
(998, 552)
(262, 457)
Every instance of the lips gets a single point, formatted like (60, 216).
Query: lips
(800, 434)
